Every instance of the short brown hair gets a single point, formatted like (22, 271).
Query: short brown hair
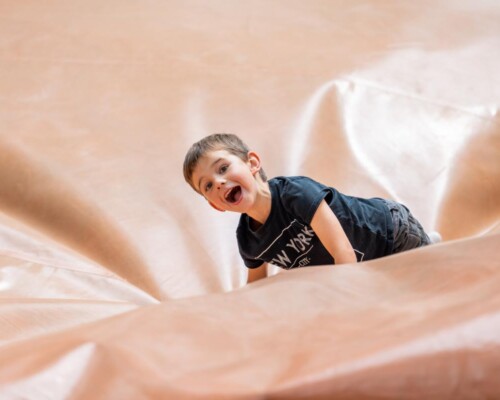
(218, 141)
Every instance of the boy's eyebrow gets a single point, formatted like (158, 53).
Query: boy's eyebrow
(211, 165)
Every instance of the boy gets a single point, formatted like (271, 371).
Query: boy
(294, 221)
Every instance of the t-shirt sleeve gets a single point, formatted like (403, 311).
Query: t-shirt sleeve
(302, 197)
(252, 263)
(249, 261)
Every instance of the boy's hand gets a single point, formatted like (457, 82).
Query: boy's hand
(331, 234)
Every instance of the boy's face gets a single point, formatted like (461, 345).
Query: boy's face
(226, 181)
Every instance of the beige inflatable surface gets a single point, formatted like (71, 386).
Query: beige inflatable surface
(117, 281)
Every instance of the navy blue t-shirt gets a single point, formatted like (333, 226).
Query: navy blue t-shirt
(287, 240)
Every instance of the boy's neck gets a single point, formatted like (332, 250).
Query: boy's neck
(262, 208)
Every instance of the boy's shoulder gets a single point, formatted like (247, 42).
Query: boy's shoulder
(299, 184)
(291, 180)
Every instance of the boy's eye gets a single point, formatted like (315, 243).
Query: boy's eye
(223, 169)
(208, 186)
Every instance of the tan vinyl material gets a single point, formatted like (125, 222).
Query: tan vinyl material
(117, 281)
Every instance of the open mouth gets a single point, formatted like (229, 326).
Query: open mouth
(233, 195)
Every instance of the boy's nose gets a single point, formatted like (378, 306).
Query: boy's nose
(220, 183)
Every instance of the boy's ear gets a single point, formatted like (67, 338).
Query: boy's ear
(214, 206)
(253, 162)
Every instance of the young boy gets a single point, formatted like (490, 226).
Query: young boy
(294, 221)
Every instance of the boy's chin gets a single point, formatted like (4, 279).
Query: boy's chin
(239, 210)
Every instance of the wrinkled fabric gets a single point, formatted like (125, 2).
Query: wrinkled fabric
(117, 281)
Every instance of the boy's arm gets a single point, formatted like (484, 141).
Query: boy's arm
(255, 274)
(331, 234)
